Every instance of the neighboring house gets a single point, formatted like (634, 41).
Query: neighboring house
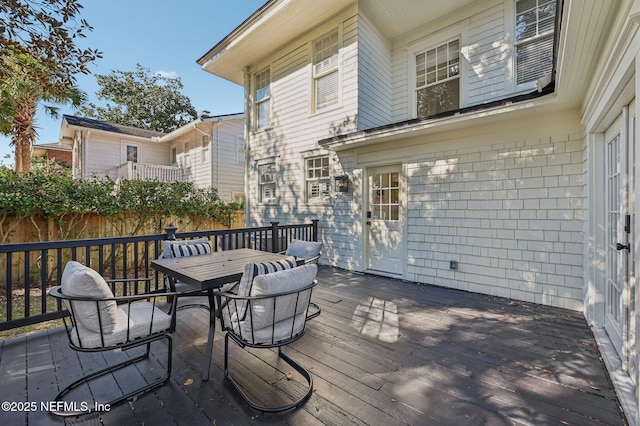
(208, 151)
(483, 145)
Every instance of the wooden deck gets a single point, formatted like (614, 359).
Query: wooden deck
(383, 352)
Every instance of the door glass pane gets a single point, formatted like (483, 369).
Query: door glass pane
(385, 199)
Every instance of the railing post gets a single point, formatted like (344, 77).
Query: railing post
(171, 232)
(275, 237)
(314, 231)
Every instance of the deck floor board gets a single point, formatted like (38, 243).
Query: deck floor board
(383, 352)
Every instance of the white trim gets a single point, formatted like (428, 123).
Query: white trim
(123, 150)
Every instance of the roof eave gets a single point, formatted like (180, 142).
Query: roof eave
(458, 119)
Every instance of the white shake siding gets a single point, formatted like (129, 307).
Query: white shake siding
(487, 55)
(507, 205)
(511, 213)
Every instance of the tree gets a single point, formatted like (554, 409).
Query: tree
(142, 99)
(39, 60)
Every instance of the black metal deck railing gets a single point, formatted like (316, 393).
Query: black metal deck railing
(28, 270)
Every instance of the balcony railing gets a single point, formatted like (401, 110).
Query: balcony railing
(32, 268)
(144, 171)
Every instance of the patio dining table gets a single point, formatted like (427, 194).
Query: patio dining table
(210, 272)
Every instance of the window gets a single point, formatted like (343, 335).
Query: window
(206, 143)
(325, 70)
(535, 26)
(385, 203)
(174, 155)
(263, 100)
(267, 182)
(132, 153)
(239, 150)
(317, 178)
(438, 79)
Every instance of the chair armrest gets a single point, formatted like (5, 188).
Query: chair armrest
(229, 295)
(129, 281)
(58, 294)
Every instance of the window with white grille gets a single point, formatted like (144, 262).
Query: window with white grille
(262, 100)
(325, 70)
(438, 79)
(317, 178)
(535, 27)
(267, 182)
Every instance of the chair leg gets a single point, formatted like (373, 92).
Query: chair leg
(102, 406)
(263, 408)
(314, 311)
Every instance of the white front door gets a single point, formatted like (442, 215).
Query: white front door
(384, 220)
(620, 215)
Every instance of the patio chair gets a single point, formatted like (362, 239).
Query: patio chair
(184, 248)
(96, 321)
(271, 314)
(310, 251)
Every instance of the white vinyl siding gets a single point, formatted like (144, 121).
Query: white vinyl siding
(487, 58)
(107, 152)
(535, 24)
(326, 77)
(374, 76)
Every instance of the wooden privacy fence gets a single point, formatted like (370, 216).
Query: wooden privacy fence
(28, 270)
(92, 225)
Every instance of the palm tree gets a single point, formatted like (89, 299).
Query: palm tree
(24, 83)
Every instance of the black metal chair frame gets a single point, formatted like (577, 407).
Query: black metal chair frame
(170, 285)
(225, 300)
(71, 322)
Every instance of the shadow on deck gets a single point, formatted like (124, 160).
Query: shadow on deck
(383, 352)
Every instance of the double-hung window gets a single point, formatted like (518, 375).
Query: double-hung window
(317, 178)
(438, 79)
(325, 70)
(206, 144)
(535, 27)
(262, 118)
(267, 182)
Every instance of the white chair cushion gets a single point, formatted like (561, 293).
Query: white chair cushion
(252, 270)
(183, 248)
(139, 322)
(82, 281)
(268, 322)
(304, 249)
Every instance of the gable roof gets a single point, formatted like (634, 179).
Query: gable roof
(106, 126)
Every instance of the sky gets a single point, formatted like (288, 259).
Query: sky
(163, 35)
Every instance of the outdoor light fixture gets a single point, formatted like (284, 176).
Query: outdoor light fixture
(342, 183)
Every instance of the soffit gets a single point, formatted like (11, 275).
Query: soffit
(280, 22)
